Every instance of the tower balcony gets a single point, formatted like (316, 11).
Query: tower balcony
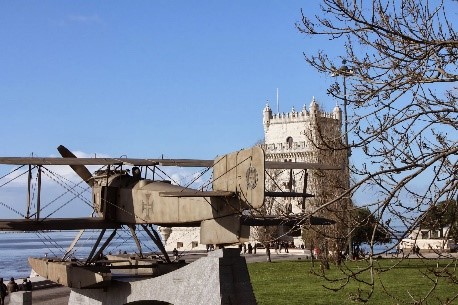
(284, 147)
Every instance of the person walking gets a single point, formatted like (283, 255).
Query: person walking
(3, 292)
(175, 253)
(12, 286)
(26, 285)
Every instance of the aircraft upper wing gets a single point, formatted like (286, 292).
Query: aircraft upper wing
(105, 161)
(74, 161)
(152, 162)
(185, 162)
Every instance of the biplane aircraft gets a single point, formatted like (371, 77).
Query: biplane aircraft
(224, 214)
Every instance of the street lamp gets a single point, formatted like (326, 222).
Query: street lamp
(344, 71)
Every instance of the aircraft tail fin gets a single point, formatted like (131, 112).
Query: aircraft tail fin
(242, 172)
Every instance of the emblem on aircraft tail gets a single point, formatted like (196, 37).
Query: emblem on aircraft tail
(251, 177)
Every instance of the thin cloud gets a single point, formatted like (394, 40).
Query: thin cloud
(85, 19)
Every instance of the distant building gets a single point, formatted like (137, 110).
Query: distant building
(311, 135)
(428, 241)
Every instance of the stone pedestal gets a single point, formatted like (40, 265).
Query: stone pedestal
(21, 298)
(220, 278)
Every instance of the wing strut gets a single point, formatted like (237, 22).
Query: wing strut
(105, 244)
(39, 194)
(157, 240)
(137, 241)
(306, 175)
(97, 242)
(70, 248)
(29, 180)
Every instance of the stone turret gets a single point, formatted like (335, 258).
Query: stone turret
(337, 113)
(313, 107)
(267, 115)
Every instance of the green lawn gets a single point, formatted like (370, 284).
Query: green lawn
(293, 282)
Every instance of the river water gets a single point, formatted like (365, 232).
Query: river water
(15, 248)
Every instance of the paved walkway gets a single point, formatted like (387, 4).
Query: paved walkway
(46, 292)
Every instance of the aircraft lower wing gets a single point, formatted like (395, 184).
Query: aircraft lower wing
(73, 224)
(56, 224)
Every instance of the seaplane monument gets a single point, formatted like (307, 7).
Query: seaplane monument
(128, 198)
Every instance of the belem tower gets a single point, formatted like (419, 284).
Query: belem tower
(309, 135)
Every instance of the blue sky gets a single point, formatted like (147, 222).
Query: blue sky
(149, 78)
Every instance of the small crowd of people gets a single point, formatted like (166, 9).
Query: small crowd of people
(282, 245)
(210, 247)
(278, 246)
(250, 248)
(12, 286)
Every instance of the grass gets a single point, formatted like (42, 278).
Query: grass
(294, 282)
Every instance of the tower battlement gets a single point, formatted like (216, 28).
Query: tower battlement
(299, 116)
(294, 127)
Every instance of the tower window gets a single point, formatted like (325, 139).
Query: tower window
(289, 140)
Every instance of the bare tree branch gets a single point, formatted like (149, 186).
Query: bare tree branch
(403, 116)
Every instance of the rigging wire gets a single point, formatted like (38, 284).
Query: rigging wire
(17, 168)
(65, 183)
(196, 177)
(142, 234)
(12, 209)
(37, 233)
(12, 179)
(69, 190)
(154, 251)
(118, 236)
(63, 205)
(125, 239)
(53, 242)
(171, 179)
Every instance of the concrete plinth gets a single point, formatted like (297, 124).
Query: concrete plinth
(220, 278)
(21, 298)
